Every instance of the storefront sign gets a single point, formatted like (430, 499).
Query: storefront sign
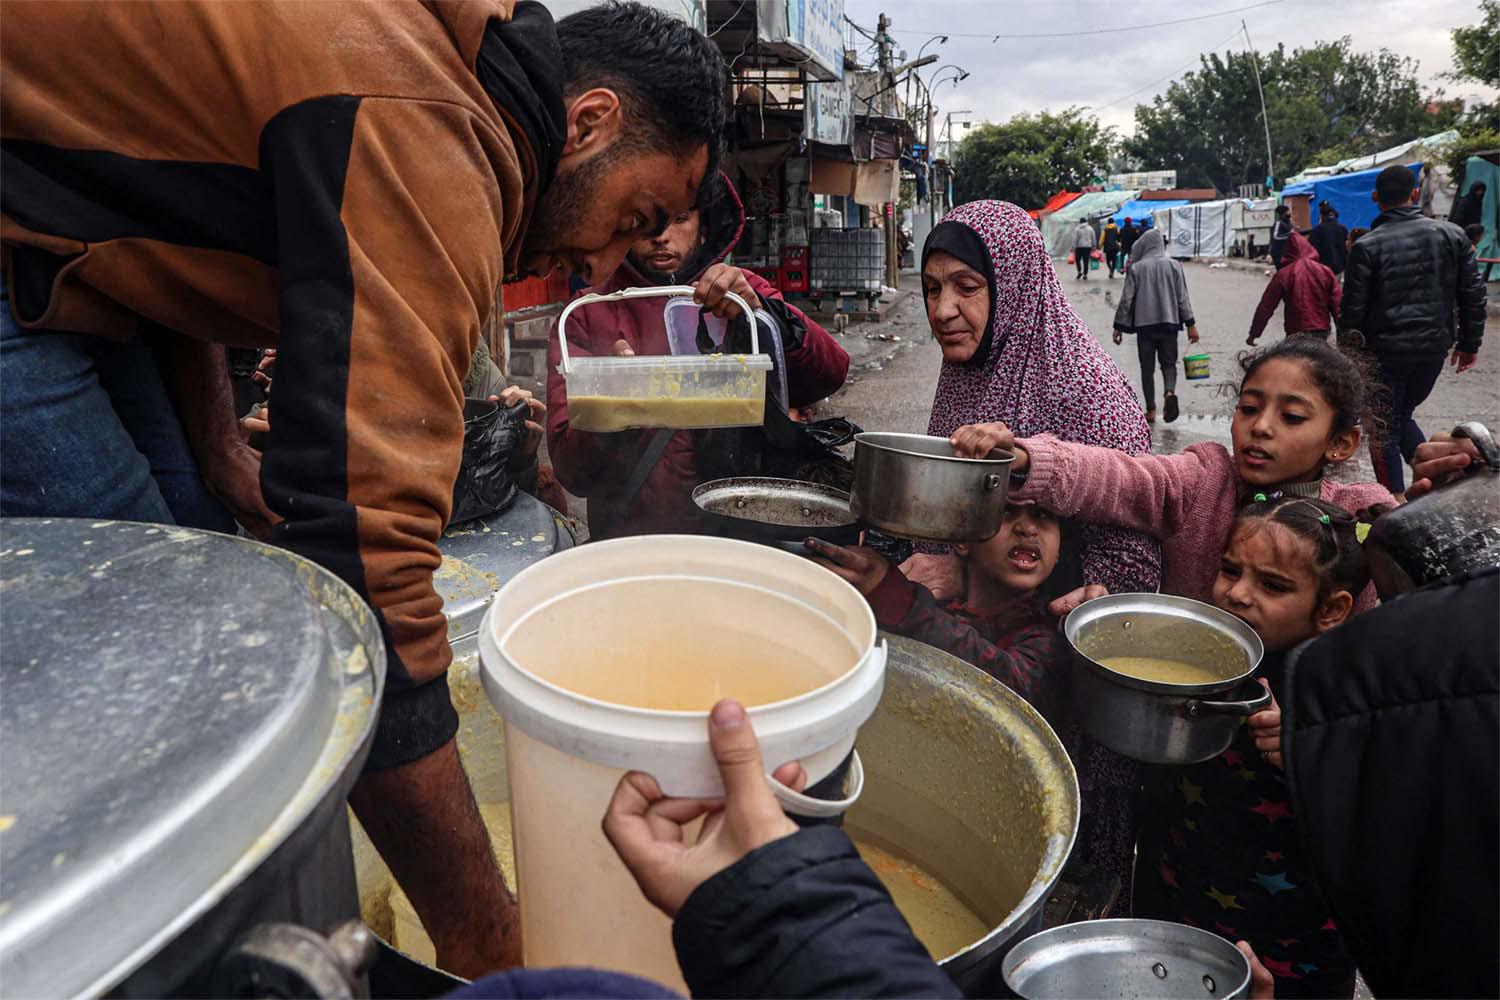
(808, 32)
(828, 113)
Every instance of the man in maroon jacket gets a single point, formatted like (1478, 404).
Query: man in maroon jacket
(1311, 292)
(641, 481)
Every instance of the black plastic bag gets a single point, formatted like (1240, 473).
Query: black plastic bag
(492, 437)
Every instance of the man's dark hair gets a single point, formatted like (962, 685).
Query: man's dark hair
(669, 77)
(1394, 186)
(1475, 232)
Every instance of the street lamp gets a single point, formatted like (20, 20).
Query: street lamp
(941, 40)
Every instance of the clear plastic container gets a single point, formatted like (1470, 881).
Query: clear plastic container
(683, 393)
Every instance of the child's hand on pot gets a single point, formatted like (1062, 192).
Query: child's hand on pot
(1265, 729)
(978, 440)
(646, 827)
(861, 566)
(1068, 602)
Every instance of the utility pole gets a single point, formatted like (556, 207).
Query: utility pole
(892, 245)
(1255, 61)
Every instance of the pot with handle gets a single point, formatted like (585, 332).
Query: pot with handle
(914, 486)
(1452, 530)
(1159, 721)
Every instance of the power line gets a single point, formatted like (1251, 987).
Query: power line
(1170, 76)
(1095, 31)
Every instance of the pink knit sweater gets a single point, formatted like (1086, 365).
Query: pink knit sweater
(1188, 501)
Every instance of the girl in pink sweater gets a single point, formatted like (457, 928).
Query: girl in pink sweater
(1299, 411)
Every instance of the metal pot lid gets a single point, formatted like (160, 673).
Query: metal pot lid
(176, 703)
(783, 503)
(479, 556)
(1126, 958)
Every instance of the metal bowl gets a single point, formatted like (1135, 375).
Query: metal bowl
(1126, 958)
(1156, 721)
(780, 512)
(914, 486)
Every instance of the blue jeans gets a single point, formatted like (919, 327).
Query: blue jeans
(1410, 382)
(87, 430)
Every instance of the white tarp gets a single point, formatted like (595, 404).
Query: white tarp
(1201, 230)
(1057, 228)
(1414, 151)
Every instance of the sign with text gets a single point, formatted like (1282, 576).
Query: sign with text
(828, 113)
(808, 33)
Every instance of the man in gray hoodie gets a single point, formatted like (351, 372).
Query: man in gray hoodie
(1154, 305)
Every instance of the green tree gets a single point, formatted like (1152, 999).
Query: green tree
(1325, 100)
(1476, 56)
(1030, 157)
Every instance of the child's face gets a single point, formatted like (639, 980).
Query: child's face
(1023, 552)
(1283, 427)
(1267, 580)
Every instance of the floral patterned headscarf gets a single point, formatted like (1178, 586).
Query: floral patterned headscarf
(1044, 373)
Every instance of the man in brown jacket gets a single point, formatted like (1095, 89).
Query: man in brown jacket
(351, 183)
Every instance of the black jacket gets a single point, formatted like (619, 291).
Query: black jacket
(1409, 282)
(1391, 736)
(1330, 239)
(801, 917)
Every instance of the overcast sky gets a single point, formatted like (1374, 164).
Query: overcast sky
(1023, 75)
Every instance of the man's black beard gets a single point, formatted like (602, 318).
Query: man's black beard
(558, 209)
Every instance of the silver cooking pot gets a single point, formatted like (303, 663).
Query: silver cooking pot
(914, 486)
(184, 715)
(1154, 721)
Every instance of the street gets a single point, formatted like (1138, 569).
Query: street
(892, 382)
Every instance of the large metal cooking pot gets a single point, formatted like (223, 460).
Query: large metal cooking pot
(1105, 959)
(184, 714)
(914, 486)
(1154, 721)
(961, 775)
(1454, 529)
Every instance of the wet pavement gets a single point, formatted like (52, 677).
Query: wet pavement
(892, 380)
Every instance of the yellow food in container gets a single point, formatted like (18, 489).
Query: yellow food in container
(606, 395)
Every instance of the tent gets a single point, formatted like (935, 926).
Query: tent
(1407, 152)
(1054, 203)
(1204, 229)
(1480, 168)
(1057, 228)
(1349, 193)
(1140, 208)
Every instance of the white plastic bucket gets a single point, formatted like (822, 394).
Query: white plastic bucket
(587, 613)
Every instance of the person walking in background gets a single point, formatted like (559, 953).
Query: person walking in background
(1154, 305)
(1330, 239)
(1129, 233)
(1109, 242)
(1281, 230)
(1411, 283)
(1083, 248)
(1475, 232)
(1310, 291)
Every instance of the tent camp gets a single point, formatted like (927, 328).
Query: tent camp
(1349, 193)
(1204, 229)
(1053, 204)
(1141, 208)
(1057, 228)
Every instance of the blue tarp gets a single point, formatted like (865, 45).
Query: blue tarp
(1349, 193)
(1141, 209)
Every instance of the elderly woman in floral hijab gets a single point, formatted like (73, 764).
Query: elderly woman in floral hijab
(1014, 351)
